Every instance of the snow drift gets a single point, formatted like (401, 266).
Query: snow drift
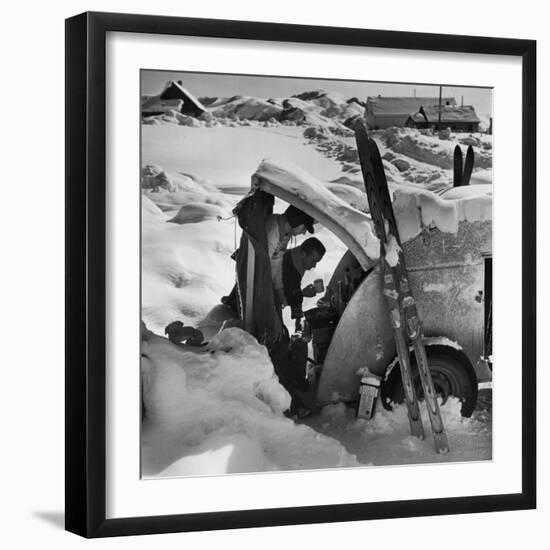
(186, 268)
(415, 209)
(245, 107)
(218, 409)
(425, 147)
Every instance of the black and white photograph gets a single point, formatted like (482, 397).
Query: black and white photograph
(274, 275)
(316, 273)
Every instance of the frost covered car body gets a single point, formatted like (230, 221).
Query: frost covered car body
(447, 245)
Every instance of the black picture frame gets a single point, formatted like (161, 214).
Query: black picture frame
(86, 273)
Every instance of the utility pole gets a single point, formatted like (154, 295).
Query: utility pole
(439, 114)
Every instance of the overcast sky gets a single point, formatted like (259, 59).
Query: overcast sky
(224, 85)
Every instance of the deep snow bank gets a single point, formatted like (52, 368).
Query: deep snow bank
(218, 409)
(186, 267)
(427, 148)
(171, 189)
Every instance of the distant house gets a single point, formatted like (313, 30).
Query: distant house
(173, 97)
(458, 119)
(383, 112)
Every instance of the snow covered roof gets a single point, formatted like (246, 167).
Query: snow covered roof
(293, 185)
(186, 94)
(465, 113)
(418, 208)
(403, 105)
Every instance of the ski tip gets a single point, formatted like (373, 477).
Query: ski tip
(468, 166)
(359, 127)
(441, 444)
(374, 148)
(417, 430)
(457, 166)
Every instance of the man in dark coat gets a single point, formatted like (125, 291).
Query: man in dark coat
(296, 262)
(292, 354)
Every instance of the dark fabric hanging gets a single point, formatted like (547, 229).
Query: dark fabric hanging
(252, 212)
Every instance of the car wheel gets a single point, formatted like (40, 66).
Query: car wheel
(451, 376)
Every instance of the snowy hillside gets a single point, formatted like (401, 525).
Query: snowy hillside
(219, 410)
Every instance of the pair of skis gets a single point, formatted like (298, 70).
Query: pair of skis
(407, 327)
(462, 172)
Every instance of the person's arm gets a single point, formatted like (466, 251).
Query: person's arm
(291, 284)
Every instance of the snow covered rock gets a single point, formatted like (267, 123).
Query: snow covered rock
(316, 133)
(308, 113)
(150, 121)
(154, 178)
(346, 153)
(186, 120)
(401, 164)
(195, 212)
(246, 107)
(430, 150)
(171, 190)
(470, 140)
(331, 104)
(207, 116)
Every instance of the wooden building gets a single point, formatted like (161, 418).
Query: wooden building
(458, 119)
(383, 112)
(173, 97)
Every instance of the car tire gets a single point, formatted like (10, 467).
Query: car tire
(452, 376)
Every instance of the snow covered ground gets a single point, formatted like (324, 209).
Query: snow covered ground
(218, 409)
(386, 439)
(221, 411)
